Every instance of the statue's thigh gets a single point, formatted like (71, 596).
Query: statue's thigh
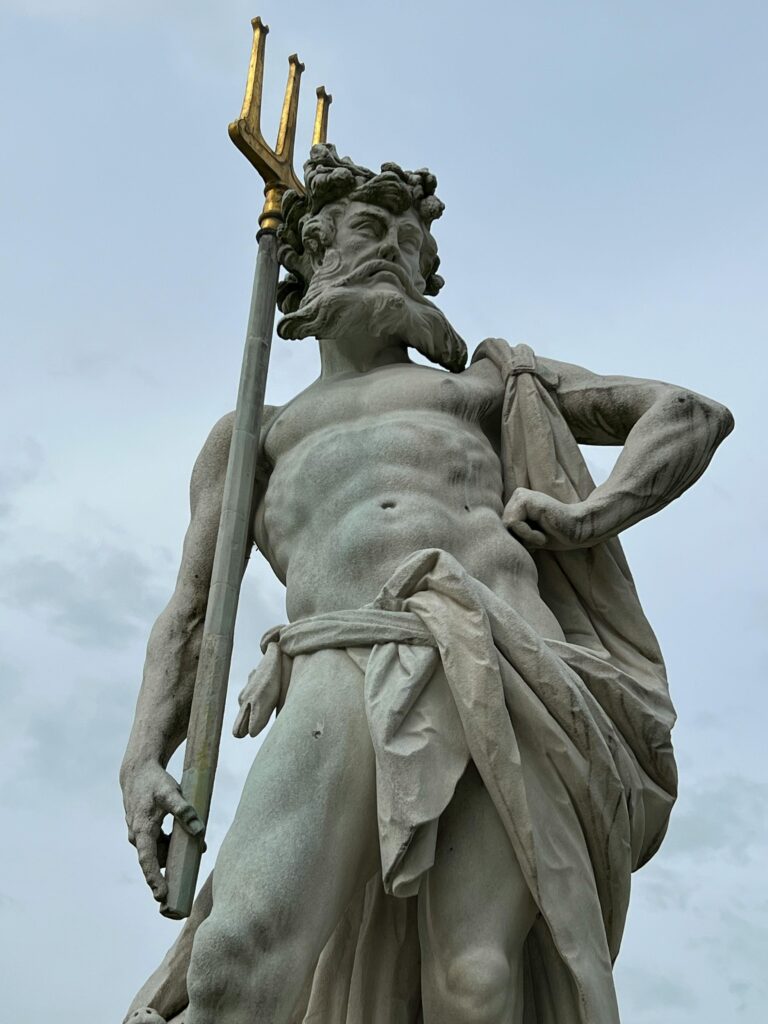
(305, 835)
(475, 908)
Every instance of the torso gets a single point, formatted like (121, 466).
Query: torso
(367, 469)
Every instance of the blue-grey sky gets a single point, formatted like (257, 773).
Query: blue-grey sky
(603, 165)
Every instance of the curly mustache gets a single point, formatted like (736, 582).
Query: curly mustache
(367, 271)
(339, 304)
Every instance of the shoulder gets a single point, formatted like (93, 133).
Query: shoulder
(497, 359)
(210, 466)
(482, 370)
(216, 445)
(486, 374)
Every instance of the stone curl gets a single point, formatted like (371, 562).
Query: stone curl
(309, 225)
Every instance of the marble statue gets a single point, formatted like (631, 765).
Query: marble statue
(471, 752)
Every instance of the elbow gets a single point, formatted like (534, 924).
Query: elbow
(726, 419)
(719, 417)
(716, 418)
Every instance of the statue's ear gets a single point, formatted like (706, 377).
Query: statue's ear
(314, 249)
(316, 237)
(318, 232)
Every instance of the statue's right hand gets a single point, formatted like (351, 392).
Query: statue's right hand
(149, 794)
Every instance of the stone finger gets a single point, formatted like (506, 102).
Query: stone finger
(150, 866)
(183, 811)
(240, 728)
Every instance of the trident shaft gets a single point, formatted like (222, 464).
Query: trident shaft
(233, 541)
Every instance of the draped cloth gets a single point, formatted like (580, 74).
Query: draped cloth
(571, 738)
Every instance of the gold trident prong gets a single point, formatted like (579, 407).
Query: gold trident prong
(320, 131)
(274, 165)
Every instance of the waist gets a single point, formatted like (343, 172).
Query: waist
(349, 627)
(329, 565)
(327, 584)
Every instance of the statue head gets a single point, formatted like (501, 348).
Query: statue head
(361, 257)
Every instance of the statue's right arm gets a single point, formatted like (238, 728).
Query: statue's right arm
(163, 707)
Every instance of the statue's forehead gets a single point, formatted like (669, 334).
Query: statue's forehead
(351, 207)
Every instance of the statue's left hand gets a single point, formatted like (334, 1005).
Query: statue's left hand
(539, 521)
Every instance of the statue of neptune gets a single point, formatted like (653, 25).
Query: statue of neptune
(472, 747)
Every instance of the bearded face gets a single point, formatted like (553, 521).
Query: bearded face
(368, 281)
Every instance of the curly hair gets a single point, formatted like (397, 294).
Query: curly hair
(308, 226)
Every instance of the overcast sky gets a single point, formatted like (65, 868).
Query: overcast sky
(604, 169)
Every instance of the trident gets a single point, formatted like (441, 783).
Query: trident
(232, 543)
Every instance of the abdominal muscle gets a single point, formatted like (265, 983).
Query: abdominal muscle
(346, 506)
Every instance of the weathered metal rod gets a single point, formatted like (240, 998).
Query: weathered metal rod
(207, 712)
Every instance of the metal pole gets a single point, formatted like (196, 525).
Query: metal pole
(232, 545)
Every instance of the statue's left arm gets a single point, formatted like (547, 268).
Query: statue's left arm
(669, 434)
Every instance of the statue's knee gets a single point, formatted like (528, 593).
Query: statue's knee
(477, 984)
(223, 958)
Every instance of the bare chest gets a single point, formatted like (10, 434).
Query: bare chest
(375, 403)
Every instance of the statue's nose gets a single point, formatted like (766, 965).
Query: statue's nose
(388, 250)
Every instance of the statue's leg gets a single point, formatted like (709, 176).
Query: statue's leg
(475, 911)
(166, 988)
(303, 841)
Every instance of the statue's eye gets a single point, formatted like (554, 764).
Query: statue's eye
(370, 228)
